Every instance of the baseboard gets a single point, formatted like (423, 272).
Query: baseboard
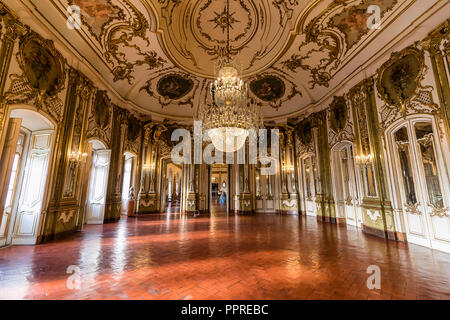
(283, 212)
(244, 213)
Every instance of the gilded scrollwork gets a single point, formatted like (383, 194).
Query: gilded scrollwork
(330, 36)
(340, 121)
(437, 211)
(172, 87)
(273, 88)
(304, 138)
(43, 77)
(121, 30)
(100, 118)
(412, 208)
(400, 86)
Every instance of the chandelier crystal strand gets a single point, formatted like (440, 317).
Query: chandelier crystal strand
(230, 115)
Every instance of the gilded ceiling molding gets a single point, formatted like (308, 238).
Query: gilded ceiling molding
(332, 33)
(121, 30)
(193, 33)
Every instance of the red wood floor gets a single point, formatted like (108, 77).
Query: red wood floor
(259, 257)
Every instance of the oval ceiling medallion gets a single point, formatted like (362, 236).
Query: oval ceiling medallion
(174, 86)
(194, 33)
(269, 88)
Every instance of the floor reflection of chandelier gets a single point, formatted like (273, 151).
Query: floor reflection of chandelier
(230, 115)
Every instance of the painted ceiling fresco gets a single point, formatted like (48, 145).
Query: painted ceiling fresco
(161, 55)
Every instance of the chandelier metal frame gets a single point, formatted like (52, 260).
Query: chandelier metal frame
(231, 114)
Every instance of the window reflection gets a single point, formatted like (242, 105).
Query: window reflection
(308, 169)
(401, 139)
(424, 135)
(371, 189)
(345, 172)
(258, 183)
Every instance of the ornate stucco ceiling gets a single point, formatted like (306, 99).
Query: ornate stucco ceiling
(159, 55)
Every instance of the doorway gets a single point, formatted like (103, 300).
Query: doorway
(308, 179)
(128, 180)
(98, 183)
(264, 190)
(421, 182)
(25, 165)
(170, 187)
(219, 189)
(344, 183)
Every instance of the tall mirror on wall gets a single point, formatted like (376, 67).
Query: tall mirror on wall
(344, 183)
(308, 183)
(421, 181)
(25, 166)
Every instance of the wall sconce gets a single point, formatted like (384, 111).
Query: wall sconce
(288, 168)
(365, 159)
(149, 167)
(77, 157)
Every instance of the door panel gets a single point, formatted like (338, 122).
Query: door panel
(8, 164)
(25, 228)
(308, 186)
(98, 187)
(264, 193)
(420, 180)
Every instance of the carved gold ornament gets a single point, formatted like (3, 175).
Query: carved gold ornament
(399, 85)
(330, 36)
(412, 208)
(43, 75)
(194, 32)
(120, 29)
(438, 211)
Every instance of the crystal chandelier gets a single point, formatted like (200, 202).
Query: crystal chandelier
(230, 115)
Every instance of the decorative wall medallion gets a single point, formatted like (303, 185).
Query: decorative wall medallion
(400, 86)
(268, 88)
(399, 78)
(373, 216)
(43, 76)
(42, 64)
(304, 131)
(338, 114)
(101, 110)
(174, 86)
(133, 129)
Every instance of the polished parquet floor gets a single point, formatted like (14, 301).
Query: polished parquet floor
(222, 257)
